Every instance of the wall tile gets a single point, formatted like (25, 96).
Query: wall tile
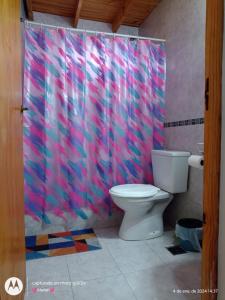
(182, 24)
(185, 54)
(184, 138)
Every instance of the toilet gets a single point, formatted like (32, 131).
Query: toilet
(144, 204)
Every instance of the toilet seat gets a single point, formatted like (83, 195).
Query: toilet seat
(134, 190)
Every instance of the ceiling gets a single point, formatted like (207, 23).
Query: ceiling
(116, 12)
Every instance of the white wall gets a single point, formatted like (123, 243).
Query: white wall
(82, 24)
(182, 24)
(221, 278)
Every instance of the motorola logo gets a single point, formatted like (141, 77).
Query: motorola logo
(13, 286)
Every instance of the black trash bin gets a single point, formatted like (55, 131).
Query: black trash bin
(189, 233)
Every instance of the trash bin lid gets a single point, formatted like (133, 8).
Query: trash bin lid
(190, 223)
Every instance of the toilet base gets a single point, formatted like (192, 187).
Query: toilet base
(141, 229)
(142, 222)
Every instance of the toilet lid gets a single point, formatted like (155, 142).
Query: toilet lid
(134, 190)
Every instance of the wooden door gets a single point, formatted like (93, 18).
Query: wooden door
(212, 140)
(12, 249)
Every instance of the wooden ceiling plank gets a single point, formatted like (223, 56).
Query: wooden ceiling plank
(101, 10)
(116, 12)
(121, 14)
(77, 12)
(29, 10)
(136, 18)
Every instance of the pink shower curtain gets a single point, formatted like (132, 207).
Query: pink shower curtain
(96, 110)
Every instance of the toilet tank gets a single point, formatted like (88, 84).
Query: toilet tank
(170, 170)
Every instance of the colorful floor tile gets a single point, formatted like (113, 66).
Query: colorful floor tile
(61, 243)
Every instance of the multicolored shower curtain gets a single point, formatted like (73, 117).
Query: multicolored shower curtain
(95, 111)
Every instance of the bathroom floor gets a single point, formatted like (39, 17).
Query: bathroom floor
(121, 270)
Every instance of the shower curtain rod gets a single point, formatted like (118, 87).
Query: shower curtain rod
(94, 32)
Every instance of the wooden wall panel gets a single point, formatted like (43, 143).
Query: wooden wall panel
(212, 138)
(12, 242)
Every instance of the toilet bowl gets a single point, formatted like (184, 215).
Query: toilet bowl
(144, 204)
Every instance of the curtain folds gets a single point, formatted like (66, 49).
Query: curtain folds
(96, 110)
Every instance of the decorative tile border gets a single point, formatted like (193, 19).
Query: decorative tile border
(195, 121)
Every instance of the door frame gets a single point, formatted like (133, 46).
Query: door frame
(212, 148)
(12, 229)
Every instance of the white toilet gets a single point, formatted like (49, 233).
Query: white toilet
(144, 204)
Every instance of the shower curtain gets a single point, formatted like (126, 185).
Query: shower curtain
(95, 111)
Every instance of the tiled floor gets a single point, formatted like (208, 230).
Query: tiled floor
(121, 270)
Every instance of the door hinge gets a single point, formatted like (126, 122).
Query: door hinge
(207, 94)
(22, 109)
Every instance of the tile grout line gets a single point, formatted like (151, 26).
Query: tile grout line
(73, 292)
(124, 274)
(121, 273)
(161, 246)
(155, 252)
(163, 261)
(97, 278)
(133, 293)
(108, 250)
